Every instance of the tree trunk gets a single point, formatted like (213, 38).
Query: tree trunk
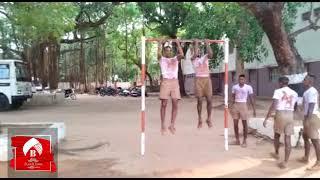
(35, 59)
(66, 79)
(126, 77)
(103, 74)
(150, 79)
(239, 65)
(82, 66)
(269, 15)
(97, 59)
(28, 54)
(43, 64)
(53, 53)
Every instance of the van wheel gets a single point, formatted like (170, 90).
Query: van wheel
(4, 103)
(16, 105)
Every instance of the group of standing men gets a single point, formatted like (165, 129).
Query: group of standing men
(284, 101)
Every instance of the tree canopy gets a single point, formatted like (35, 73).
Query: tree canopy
(92, 41)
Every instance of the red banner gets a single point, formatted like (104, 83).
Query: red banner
(32, 154)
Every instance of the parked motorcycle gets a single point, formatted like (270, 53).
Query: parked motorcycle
(70, 93)
(136, 92)
(124, 92)
(108, 91)
(97, 90)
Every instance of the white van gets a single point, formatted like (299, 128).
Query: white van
(15, 84)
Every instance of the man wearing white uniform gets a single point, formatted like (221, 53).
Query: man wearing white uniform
(239, 108)
(188, 72)
(284, 100)
(311, 123)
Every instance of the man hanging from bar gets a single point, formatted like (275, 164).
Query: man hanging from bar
(203, 84)
(169, 86)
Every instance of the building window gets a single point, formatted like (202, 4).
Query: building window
(307, 67)
(274, 74)
(306, 16)
(250, 71)
(316, 12)
(233, 76)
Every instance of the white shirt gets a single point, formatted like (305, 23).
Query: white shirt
(242, 92)
(169, 67)
(201, 66)
(310, 96)
(187, 66)
(286, 99)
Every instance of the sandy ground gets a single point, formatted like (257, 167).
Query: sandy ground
(103, 140)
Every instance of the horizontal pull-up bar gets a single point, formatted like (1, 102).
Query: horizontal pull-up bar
(158, 39)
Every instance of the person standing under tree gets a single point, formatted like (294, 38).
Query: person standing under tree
(203, 85)
(239, 108)
(284, 100)
(169, 86)
(311, 123)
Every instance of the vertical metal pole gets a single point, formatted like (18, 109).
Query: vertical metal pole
(143, 89)
(226, 92)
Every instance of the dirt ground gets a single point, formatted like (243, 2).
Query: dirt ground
(103, 140)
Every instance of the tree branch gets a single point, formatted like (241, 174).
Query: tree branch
(122, 49)
(88, 16)
(307, 28)
(259, 7)
(4, 48)
(71, 41)
(75, 35)
(83, 25)
(68, 50)
(1, 12)
(152, 29)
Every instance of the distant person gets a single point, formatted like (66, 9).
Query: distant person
(203, 85)
(284, 100)
(169, 86)
(311, 123)
(239, 108)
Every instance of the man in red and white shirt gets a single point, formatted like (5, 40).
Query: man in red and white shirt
(203, 85)
(169, 86)
(284, 100)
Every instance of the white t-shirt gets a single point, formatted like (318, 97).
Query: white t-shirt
(286, 99)
(242, 92)
(310, 96)
(186, 63)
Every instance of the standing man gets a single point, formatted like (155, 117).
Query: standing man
(203, 84)
(169, 86)
(284, 100)
(239, 107)
(311, 123)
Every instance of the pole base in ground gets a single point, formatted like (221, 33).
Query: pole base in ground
(142, 144)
